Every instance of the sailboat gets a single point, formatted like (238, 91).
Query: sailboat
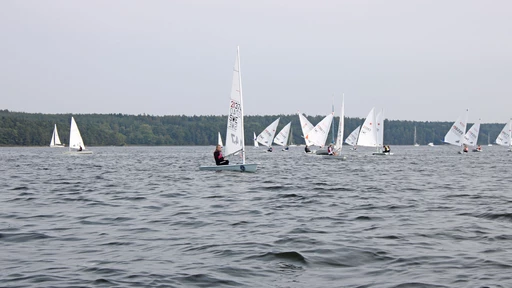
(306, 126)
(219, 141)
(415, 142)
(489, 140)
(290, 139)
(266, 136)
(55, 142)
(505, 137)
(471, 137)
(235, 126)
(256, 145)
(368, 133)
(76, 144)
(379, 120)
(455, 135)
(318, 135)
(282, 137)
(352, 138)
(338, 144)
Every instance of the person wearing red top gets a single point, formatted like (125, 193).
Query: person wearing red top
(217, 155)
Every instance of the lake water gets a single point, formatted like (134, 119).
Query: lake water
(147, 217)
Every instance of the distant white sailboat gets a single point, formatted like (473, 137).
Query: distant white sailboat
(489, 140)
(267, 135)
(341, 129)
(505, 137)
(352, 138)
(235, 126)
(318, 135)
(256, 145)
(415, 142)
(455, 136)
(338, 144)
(380, 134)
(76, 144)
(55, 142)
(471, 137)
(281, 138)
(219, 141)
(306, 126)
(368, 133)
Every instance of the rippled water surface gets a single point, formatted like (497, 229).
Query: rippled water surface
(147, 217)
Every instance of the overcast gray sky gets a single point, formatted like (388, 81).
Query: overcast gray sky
(419, 60)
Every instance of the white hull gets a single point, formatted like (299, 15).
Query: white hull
(416, 145)
(78, 152)
(431, 144)
(232, 167)
(57, 146)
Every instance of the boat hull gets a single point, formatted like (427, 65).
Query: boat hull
(232, 167)
(83, 152)
(334, 157)
(57, 146)
(382, 153)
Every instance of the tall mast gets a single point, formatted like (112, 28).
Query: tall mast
(241, 103)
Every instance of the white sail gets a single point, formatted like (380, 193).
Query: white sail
(471, 137)
(306, 126)
(283, 135)
(368, 133)
(75, 139)
(339, 138)
(504, 139)
(219, 141)
(235, 129)
(318, 135)
(352, 138)
(55, 142)
(415, 142)
(380, 128)
(455, 135)
(255, 140)
(265, 137)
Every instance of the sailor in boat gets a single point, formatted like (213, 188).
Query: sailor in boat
(306, 149)
(80, 148)
(330, 150)
(270, 149)
(217, 155)
(465, 150)
(388, 149)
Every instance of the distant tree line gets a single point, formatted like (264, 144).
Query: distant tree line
(35, 129)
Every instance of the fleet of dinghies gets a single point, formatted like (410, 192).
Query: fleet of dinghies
(369, 134)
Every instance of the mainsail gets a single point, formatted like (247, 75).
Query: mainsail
(318, 135)
(282, 136)
(471, 137)
(368, 133)
(265, 137)
(235, 128)
(455, 135)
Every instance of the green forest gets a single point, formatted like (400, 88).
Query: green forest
(35, 129)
